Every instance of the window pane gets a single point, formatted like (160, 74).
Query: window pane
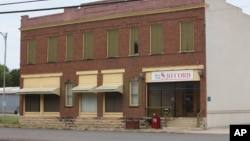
(134, 93)
(88, 45)
(69, 95)
(156, 39)
(113, 43)
(113, 102)
(69, 48)
(51, 103)
(89, 103)
(32, 103)
(187, 36)
(52, 49)
(134, 46)
(31, 51)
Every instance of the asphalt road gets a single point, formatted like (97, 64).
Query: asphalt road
(20, 134)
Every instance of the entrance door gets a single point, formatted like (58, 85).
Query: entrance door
(181, 97)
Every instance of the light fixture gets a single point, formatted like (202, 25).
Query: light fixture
(141, 76)
(200, 72)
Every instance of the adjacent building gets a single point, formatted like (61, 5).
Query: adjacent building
(11, 100)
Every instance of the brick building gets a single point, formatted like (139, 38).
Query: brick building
(115, 59)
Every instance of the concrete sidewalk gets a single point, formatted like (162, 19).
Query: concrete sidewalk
(217, 130)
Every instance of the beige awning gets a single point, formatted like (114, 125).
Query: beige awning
(84, 89)
(39, 91)
(110, 88)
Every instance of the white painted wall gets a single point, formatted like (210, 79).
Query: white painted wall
(228, 64)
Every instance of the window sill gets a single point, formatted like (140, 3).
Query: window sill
(155, 54)
(113, 57)
(189, 51)
(134, 55)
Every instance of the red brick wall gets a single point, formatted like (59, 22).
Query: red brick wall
(133, 65)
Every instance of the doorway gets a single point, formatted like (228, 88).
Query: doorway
(181, 98)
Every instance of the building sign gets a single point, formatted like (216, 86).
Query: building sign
(168, 76)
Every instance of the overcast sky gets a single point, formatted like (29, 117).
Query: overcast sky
(10, 23)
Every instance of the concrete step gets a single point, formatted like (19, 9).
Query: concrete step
(182, 123)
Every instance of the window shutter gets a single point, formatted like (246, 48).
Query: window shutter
(156, 39)
(127, 94)
(140, 93)
(88, 45)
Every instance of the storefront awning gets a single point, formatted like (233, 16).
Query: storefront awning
(84, 89)
(39, 91)
(110, 88)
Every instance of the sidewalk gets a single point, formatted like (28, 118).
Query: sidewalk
(217, 130)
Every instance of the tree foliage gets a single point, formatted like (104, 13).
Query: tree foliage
(11, 77)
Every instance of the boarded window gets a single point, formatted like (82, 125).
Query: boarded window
(113, 43)
(134, 44)
(31, 51)
(88, 44)
(187, 36)
(32, 103)
(156, 39)
(69, 47)
(52, 49)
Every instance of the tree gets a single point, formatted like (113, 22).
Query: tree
(14, 76)
(11, 78)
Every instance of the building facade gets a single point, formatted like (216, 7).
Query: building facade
(115, 59)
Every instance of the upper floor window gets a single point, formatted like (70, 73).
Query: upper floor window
(156, 39)
(134, 44)
(52, 43)
(113, 43)
(69, 47)
(31, 51)
(88, 44)
(187, 36)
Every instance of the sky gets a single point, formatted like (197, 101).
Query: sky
(10, 23)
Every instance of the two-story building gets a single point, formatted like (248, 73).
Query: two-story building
(115, 59)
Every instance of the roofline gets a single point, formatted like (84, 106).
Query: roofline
(116, 16)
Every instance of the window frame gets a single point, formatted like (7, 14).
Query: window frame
(88, 45)
(136, 94)
(189, 36)
(69, 94)
(133, 40)
(52, 49)
(69, 47)
(113, 35)
(156, 46)
(31, 51)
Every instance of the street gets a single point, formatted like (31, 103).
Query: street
(22, 134)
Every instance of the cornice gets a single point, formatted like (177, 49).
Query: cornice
(116, 16)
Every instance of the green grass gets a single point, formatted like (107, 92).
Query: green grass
(9, 119)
